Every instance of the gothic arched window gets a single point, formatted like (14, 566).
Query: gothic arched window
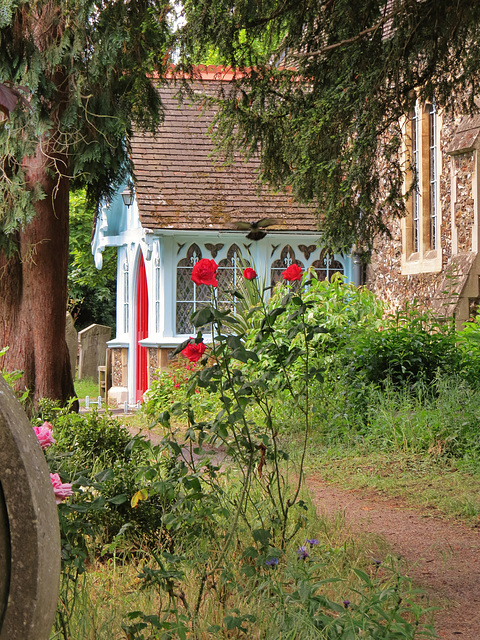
(327, 266)
(287, 258)
(190, 296)
(229, 275)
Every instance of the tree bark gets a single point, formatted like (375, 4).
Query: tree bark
(33, 287)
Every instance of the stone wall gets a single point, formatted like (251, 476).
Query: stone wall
(119, 367)
(159, 358)
(463, 167)
(457, 188)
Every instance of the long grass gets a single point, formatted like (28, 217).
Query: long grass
(417, 444)
(86, 387)
(265, 603)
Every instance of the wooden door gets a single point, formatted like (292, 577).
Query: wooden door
(141, 330)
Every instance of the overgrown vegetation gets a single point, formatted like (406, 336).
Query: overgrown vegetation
(91, 291)
(211, 512)
(205, 530)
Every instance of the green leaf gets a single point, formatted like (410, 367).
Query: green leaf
(262, 536)
(292, 356)
(244, 356)
(204, 316)
(234, 342)
(274, 313)
(104, 476)
(120, 499)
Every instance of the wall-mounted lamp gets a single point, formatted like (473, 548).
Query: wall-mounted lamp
(127, 196)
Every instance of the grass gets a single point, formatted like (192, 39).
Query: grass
(243, 597)
(438, 486)
(86, 387)
(267, 601)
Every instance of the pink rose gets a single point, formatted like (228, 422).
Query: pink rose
(249, 274)
(44, 435)
(204, 272)
(61, 489)
(293, 272)
(194, 351)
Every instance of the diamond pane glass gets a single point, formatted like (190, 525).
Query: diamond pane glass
(229, 274)
(190, 296)
(185, 285)
(184, 311)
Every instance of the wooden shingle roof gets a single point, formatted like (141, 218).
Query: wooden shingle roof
(179, 184)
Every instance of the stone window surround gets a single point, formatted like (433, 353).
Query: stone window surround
(425, 259)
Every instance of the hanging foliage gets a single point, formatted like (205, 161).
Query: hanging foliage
(322, 87)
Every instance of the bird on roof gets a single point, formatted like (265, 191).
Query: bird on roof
(255, 229)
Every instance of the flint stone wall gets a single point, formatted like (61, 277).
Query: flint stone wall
(432, 290)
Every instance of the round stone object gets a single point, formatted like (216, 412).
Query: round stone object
(29, 529)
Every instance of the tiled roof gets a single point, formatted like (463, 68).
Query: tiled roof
(180, 185)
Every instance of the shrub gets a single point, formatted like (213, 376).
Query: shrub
(104, 463)
(411, 347)
(171, 387)
(91, 436)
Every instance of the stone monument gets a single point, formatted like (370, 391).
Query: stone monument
(72, 343)
(29, 530)
(93, 348)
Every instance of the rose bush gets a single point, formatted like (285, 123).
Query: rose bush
(61, 489)
(292, 273)
(204, 272)
(44, 434)
(194, 351)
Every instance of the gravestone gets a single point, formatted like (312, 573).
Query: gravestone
(93, 349)
(29, 530)
(72, 342)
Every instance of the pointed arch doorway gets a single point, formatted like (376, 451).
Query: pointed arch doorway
(141, 331)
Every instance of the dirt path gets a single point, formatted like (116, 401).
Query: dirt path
(443, 558)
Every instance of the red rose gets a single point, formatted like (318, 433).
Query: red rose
(204, 272)
(194, 351)
(249, 274)
(293, 272)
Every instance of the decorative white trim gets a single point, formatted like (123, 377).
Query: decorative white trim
(162, 249)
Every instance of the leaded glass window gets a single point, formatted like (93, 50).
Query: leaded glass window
(433, 172)
(327, 266)
(416, 204)
(229, 275)
(190, 296)
(287, 258)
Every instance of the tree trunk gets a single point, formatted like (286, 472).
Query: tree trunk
(33, 287)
